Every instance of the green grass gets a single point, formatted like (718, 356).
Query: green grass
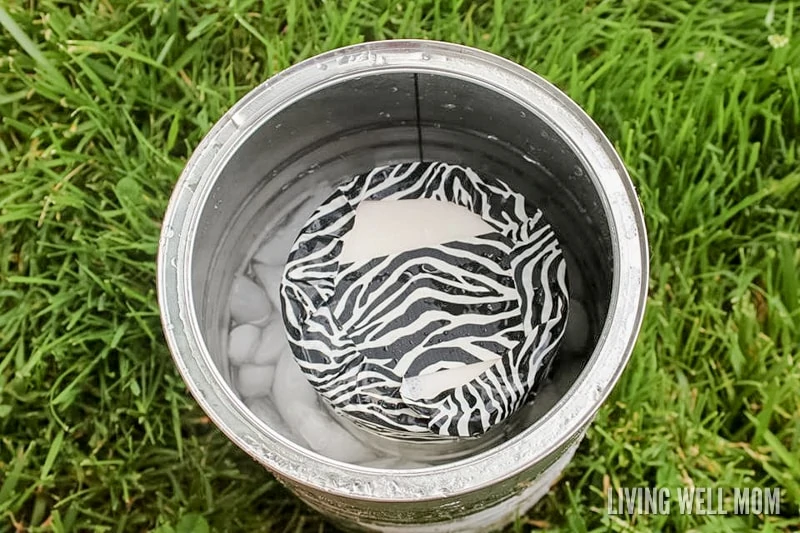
(102, 103)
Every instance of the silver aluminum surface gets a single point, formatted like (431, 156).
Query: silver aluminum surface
(349, 110)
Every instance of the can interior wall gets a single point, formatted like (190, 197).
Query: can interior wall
(362, 122)
(348, 122)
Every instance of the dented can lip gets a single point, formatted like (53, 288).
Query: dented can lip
(554, 430)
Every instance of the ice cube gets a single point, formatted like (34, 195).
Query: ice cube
(291, 387)
(270, 278)
(249, 303)
(263, 408)
(242, 343)
(298, 404)
(276, 247)
(288, 219)
(326, 437)
(576, 332)
(255, 380)
(272, 344)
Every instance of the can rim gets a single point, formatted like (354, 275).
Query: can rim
(573, 411)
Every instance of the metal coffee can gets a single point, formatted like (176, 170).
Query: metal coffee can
(379, 103)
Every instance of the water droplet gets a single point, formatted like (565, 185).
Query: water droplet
(322, 66)
(170, 232)
(393, 90)
(384, 114)
(425, 57)
(173, 262)
(522, 114)
(491, 137)
(449, 106)
(278, 125)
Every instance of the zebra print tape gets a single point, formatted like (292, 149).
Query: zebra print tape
(383, 340)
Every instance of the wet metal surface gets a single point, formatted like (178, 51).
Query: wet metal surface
(373, 104)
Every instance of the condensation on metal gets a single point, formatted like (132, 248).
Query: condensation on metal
(204, 209)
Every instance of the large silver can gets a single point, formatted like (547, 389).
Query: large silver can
(344, 112)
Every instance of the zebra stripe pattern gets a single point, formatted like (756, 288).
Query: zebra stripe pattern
(368, 334)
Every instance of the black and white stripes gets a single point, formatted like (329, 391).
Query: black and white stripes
(438, 342)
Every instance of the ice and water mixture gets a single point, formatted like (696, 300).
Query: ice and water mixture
(262, 365)
(269, 379)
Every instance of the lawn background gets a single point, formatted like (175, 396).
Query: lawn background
(103, 101)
